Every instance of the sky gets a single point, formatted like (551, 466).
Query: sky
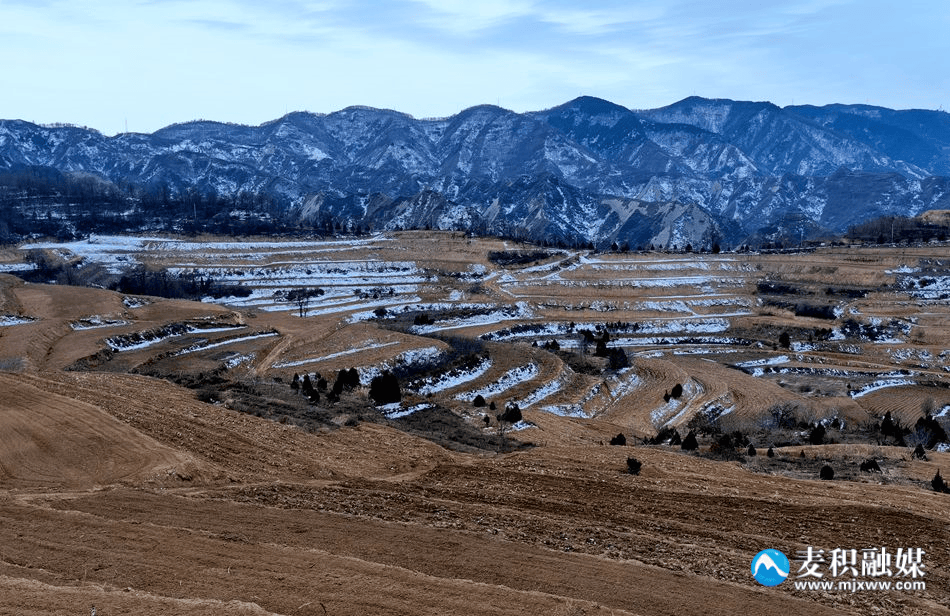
(117, 65)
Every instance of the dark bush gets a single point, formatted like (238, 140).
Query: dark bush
(633, 466)
(826, 473)
(295, 384)
(817, 435)
(784, 341)
(665, 435)
(919, 452)
(620, 439)
(346, 379)
(750, 451)
(617, 359)
(689, 443)
(770, 453)
(783, 416)
(209, 396)
(676, 392)
(512, 414)
(505, 258)
(930, 431)
(776, 288)
(423, 319)
(892, 429)
(384, 389)
(938, 484)
(306, 387)
(479, 401)
(870, 466)
(815, 312)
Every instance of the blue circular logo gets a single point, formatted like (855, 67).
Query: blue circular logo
(770, 567)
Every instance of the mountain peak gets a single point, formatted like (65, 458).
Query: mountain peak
(591, 105)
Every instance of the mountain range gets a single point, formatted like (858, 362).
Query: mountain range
(697, 171)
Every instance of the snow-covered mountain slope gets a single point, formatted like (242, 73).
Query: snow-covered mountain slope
(737, 168)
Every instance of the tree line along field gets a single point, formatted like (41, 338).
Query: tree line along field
(463, 394)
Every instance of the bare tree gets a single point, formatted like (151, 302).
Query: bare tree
(301, 297)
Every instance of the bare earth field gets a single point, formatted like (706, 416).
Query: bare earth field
(154, 458)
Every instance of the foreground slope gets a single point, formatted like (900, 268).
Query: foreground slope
(129, 482)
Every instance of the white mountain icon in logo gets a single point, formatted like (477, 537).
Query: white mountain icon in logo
(765, 561)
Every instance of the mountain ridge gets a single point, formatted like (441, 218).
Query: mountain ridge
(557, 174)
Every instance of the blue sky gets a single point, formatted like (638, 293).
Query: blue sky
(150, 63)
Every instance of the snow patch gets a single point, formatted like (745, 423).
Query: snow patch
(453, 378)
(8, 320)
(513, 377)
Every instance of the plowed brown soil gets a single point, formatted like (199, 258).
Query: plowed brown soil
(125, 492)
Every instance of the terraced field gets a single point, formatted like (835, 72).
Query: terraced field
(161, 444)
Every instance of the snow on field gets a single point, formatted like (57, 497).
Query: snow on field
(527, 330)
(881, 384)
(134, 302)
(237, 360)
(665, 306)
(420, 356)
(118, 253)
(115, 252)
(547, 267)
(452, 379)
(368, 273)
(681, 325)
(623, 383)
(102, 245)
(684, 325)
(903, 269)
(205, 346)
(369, 346)
(567, 410)
(705, 351)
(674, 341)
(674, 408)
(495, 314)
(96, 322)
(705, 283)
(16, 267)
(513, 377)
(394, 410)
(688, 306)
(144, 339)
(545, 391)
(768, 361)
(7, 320)
(922, 357)
(930, 287)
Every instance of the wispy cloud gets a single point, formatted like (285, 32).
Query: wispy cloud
(242, 60)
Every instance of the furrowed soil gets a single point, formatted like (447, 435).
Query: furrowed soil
(154, 458)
